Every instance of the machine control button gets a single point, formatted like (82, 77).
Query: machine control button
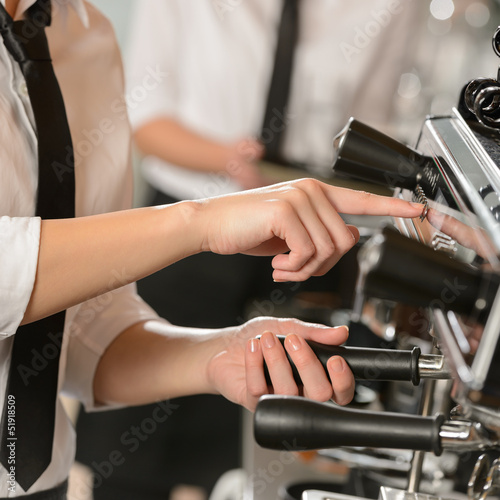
(486, 190)
(444, 243)
(496, 212)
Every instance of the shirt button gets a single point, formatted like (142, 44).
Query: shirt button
(23, 89)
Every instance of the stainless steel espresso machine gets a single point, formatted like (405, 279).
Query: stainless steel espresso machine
(444, 268)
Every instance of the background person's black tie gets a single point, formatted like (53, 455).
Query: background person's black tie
(34, 384)
(274, 123)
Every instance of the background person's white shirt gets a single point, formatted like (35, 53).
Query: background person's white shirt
(386, 62)
(88, 67)
(208, 64)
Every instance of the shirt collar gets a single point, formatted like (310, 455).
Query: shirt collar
(58, 7)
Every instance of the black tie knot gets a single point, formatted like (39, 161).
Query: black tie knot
(25, 39)
(40, 13)
(11, 41)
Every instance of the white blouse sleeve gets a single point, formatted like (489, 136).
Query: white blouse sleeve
(19, 243)
(93, 327)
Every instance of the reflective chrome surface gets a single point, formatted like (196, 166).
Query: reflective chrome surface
(463, 222)
(465, 436)
(433, 366)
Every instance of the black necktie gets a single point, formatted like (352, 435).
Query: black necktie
(27, 426)
(275, 115)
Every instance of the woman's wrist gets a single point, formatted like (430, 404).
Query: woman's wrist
(186, 221)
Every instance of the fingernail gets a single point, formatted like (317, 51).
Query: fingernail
(268, 339)
(336, 364)
(416, 205)
(294, 342)
(253, 345)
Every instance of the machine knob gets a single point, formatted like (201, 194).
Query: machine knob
(400, 269)
(295, 423)
(376, 364)
(365, 153)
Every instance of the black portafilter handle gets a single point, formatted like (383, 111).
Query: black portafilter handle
(364, 153)
(400, 269)
(298, 424)
(365, 363)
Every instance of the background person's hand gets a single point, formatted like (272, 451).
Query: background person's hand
(298, 222)
(237, 371)
(242, 164)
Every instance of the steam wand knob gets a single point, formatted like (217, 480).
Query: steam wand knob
(365, 153)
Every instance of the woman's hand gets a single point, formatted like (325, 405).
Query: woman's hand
(237, 373)
(298, 222)
(154, 360)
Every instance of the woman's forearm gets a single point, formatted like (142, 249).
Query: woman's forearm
(153, 361)
(298, 222)
(85, 257)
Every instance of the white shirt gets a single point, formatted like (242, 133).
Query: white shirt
(208, 64)
(88, 67)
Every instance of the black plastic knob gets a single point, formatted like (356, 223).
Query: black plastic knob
(403, 270)
(362, 152)
(366, 363)
(295, 423)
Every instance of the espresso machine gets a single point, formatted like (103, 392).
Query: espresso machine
(443, 268)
